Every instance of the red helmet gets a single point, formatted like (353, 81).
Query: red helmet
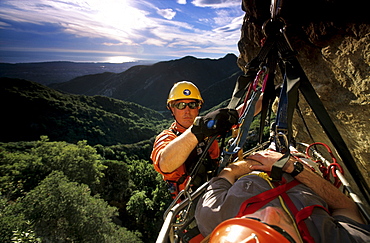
(246, 230)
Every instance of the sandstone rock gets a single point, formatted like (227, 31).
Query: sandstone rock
(332, 39)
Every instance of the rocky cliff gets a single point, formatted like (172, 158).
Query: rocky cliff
(332, 41)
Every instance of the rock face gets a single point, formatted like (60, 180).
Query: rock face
(332, 39)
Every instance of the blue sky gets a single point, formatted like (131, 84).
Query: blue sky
(117, 30)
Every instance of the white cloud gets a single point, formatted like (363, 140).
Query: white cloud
(3, 24)
(113, 19)
(216, 3)
(132, 25)
(230, 24)
(166, 13)
(112, 44)
(155, 42)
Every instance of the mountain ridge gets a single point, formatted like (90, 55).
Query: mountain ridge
(148, 85)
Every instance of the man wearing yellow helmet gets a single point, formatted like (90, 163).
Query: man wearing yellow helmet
(243, 205)
(177, 149)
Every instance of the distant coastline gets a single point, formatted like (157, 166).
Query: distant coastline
(61, 71)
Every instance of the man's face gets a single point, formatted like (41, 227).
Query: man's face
(185, 116)
(276, 216)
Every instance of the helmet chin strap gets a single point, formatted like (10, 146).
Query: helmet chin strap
(180, 124)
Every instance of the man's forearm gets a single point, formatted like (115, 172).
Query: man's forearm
(235, 170)
(177, 151)
(337, 201)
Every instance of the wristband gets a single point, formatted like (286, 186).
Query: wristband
(298, 168)
(277, 168)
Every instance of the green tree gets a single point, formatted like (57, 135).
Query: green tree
(10, 220)
(25, 236)
(79, 163)
(114, 186)
(64, 211)
(19, 173)
(149, 199)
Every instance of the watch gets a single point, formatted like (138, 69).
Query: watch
(298, 168)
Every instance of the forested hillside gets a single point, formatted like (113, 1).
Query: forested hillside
(69, 164)
(31, 110)
(63, 192)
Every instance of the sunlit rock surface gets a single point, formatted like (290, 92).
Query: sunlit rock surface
(332, 41)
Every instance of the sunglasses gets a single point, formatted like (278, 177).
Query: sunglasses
(277, 228)
(182, 105)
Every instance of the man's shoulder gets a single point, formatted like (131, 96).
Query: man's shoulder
(165, 134)
(344, 229)
(352, 224)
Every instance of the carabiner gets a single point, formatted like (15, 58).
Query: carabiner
(260, 78)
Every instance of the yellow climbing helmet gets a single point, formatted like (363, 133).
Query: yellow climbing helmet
(184, 90)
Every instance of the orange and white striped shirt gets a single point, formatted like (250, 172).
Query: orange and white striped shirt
(162, 140)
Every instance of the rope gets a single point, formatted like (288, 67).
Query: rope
(268, 179)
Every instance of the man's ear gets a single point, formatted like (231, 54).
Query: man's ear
(169, 108)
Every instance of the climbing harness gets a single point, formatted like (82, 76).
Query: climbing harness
(255, 203)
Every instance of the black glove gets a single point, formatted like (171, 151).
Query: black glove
(214, 123)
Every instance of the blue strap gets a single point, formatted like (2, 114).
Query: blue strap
(245, 120)
(281, 122)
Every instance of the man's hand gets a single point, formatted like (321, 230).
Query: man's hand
(266, 158)
(214, 123)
